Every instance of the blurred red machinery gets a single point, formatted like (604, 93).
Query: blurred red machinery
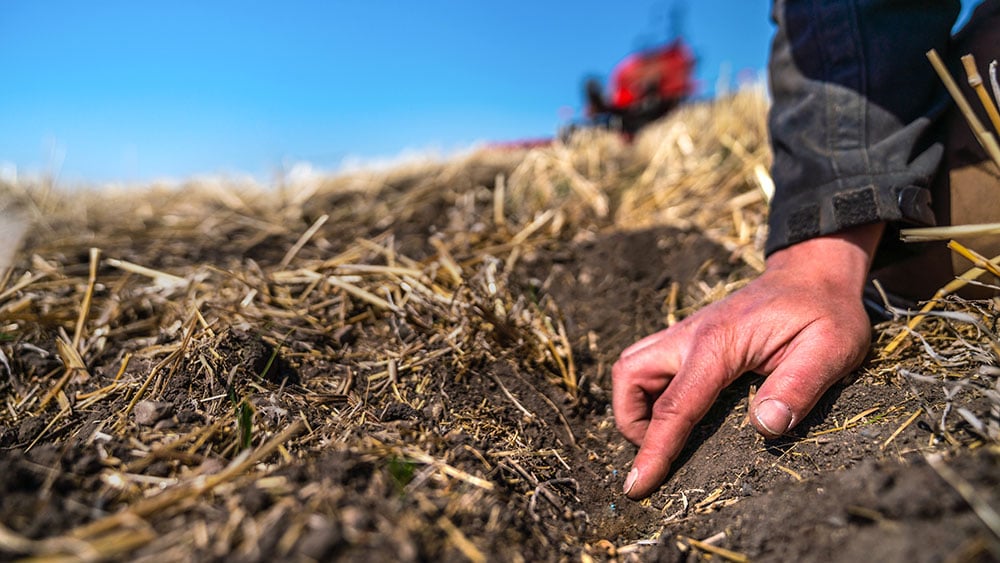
(644, 86)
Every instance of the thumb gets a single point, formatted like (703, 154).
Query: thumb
(811, 367)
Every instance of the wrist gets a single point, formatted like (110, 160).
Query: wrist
(841, 258)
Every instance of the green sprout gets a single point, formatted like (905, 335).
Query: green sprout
(401, 470)
(244, 417)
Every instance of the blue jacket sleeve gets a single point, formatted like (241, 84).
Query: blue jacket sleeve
(853, 96)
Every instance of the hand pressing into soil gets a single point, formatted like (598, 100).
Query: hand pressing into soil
(801, 323)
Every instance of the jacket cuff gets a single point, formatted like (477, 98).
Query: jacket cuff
(839, 206)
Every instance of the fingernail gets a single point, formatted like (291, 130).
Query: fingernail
(774, 416)
(630, 480)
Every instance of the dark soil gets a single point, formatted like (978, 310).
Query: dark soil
(410, 450)
(813, 496)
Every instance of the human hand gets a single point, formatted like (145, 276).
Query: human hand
(801, 324)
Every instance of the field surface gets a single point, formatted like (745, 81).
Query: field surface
(414, 365)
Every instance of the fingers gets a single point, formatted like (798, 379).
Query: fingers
(631, 406)
(813, 364)
(642, 372)
(674, 414)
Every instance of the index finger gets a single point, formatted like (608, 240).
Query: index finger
(674, 414)
(641, 373)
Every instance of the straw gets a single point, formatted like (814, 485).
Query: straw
(976, 82)
(984, 136)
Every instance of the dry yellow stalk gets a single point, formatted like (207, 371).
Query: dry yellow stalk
(303, 240)
(949, 288)
(74, 365)
(108, 388)
(536, 224)
(161, 279)
(586, 189)
(722, 552)
(795, 474)
(977, 259)
(569, 377)
(426, 459)
(462, 543)
(672, 303)
(377, 269)
(854, 419)
(994, 82)
(976, 82)
(449, 263)
(764, 181)
(64, 410)
(362, 294)
(95, 255)
(985, 138)
(899, 430)
(853, 422)
(24, 281)
(499, 197)
(925, 234)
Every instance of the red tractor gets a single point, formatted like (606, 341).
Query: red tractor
(644, 87)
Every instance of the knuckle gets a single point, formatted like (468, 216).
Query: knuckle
(666, 408)
(622, 368)
(711, 332)
(669, 409)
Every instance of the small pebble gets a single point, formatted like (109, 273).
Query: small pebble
(211, 466)
(837, 521)
(870, 433)
(148, 413)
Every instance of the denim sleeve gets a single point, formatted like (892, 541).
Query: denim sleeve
(852, 97)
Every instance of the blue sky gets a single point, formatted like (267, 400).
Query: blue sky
(132, 91)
